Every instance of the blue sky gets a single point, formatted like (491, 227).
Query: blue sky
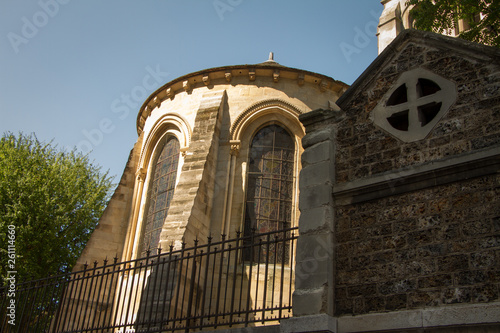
(65, 64)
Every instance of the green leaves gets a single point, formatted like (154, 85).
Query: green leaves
(53, 198)
(482, 18)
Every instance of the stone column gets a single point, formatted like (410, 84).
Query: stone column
(313, 305)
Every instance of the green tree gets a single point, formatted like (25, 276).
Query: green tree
(442, 15)
(50, 200)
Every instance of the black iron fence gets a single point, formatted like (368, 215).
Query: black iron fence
(244, 281)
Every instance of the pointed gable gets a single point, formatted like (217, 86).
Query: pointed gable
(426, 97)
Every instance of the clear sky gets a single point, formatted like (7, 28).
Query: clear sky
(65, 65)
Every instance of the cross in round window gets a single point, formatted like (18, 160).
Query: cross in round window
(414, 105)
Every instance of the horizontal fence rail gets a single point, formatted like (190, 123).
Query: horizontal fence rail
(245, 281)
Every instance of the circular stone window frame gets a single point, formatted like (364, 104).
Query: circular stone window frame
(446, 95)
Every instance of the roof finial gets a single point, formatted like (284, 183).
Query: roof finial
(271, 56)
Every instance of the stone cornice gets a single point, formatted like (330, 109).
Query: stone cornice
(453, 169)
(227, 74)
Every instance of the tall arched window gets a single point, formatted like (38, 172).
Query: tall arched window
(270, 180)
(160, 192)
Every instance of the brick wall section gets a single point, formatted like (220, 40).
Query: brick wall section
(191, 206)
(431, 247)
(472, 123)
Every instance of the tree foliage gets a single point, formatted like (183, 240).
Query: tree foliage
(443, 15)
(52, 199)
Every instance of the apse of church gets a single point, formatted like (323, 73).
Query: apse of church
(218, 153)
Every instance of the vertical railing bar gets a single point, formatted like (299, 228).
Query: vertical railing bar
(220, 280)
(55, 302)
(95, 274)
(119, 306)
(142, 290)
(167, 289)
(160, 268)
(43, 290)
(249, 289)
(157, 265)
(110, 289)
(90, 299)
(292, 243)
(282, 273)
(229, 249)
(205, 281)
(137, 290)
(199, 292)
(50, 302)
(46, 302)
(64, 302)
(132, 271)
(178, 286)
(36, 290)
(235, 278)
(242, 260)
(192, 285)
(99, 295)
(212, 285)
(274, 271)
(258, 276)
(265, 280)
(183, 300)
(27, 291)
(84, 280)
(22, 291)
(74, 307)
(175, 284)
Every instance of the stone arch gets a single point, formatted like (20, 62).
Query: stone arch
(170, 123)
(277, 107)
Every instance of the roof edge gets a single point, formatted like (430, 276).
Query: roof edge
(462, 46)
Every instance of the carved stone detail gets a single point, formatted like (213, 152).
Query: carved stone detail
(170, 93)
(206, 80)
(235, 147)
(251, 74)
(323, 85)
(157, 102)
(186, 85)
(141, 174)
(228, 76)
(276, 75)
(300, 79)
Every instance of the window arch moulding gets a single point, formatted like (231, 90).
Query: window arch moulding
(245, 127)
(169, 125)
(263, 108)
(172, 123)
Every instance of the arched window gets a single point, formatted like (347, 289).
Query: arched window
(270, 181)
(160, 192)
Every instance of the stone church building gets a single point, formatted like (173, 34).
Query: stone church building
(392, 185)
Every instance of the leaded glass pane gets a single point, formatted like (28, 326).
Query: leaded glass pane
(160, 193)
(270, 184)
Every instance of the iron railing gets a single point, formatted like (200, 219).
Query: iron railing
(245, 281)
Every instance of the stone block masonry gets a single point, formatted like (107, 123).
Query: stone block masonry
(428, 248)
(190, 210)
(471, 124)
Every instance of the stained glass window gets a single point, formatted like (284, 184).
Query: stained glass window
(270, 183)
(160, 193)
